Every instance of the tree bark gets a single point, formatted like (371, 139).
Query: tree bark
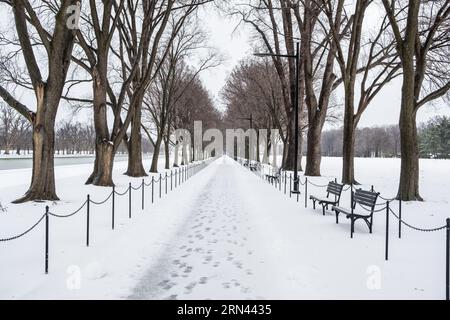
(167, 152)
(409, 172)
(104, 163)
(348, 148)
(314, 149)
(154, 166)
(43, 174)
(135, 166)
(100, 175)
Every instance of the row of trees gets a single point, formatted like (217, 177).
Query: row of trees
(14, 131)
(71, 137)
(434, 140)
(341, 50)
(369, 142)
(126, 61)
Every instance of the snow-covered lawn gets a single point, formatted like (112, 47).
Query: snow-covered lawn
(223, 234)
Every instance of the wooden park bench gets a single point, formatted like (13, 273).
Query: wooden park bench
(274, 177)
(367, 200)
(334, 189)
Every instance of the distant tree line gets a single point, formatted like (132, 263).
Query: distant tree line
(71, 137)
(434, 138)
(15, 131)
(384, 141)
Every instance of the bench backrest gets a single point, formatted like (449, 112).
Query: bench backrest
(335, 188)
(367, 199)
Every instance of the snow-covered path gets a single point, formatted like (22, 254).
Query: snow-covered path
(217, 253)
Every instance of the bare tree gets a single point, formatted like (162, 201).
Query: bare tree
(318, 52)
(171, 83)
(379, 67)
(95, 40)
(421, 32)
(274, 28)
(57, 50)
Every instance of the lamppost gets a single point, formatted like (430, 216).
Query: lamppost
(295, 106)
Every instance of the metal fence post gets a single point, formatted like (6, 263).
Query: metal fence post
(166, 182)
(386, 256)
(400, 218)
(160, 182)
(285, 182)
(171, 180)
(143, 194)
(290, 185)
(113, 206)
(87, 219)
(129, 200)
(153, 188)
(176, 178)
(306, 193)
(46, 238)
(447, 261)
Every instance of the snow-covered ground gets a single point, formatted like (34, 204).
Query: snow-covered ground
(223, 234)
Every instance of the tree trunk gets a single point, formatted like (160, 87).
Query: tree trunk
(314, 149)
(348, 156)
(348, 143)
(135, 166)
(104, 150)
(167, 153)
(43, 174)
(409, 172)
(154, 166)
(104, 164)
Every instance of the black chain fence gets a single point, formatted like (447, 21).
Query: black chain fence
(182, 174)
(281, 177)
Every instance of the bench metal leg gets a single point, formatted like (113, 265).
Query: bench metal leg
(352, 228)
(314, 204)
(337, 217)
(323, 209)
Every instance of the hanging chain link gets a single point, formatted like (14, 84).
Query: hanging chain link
(25, 232)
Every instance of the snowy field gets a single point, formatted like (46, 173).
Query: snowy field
(224, 234)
